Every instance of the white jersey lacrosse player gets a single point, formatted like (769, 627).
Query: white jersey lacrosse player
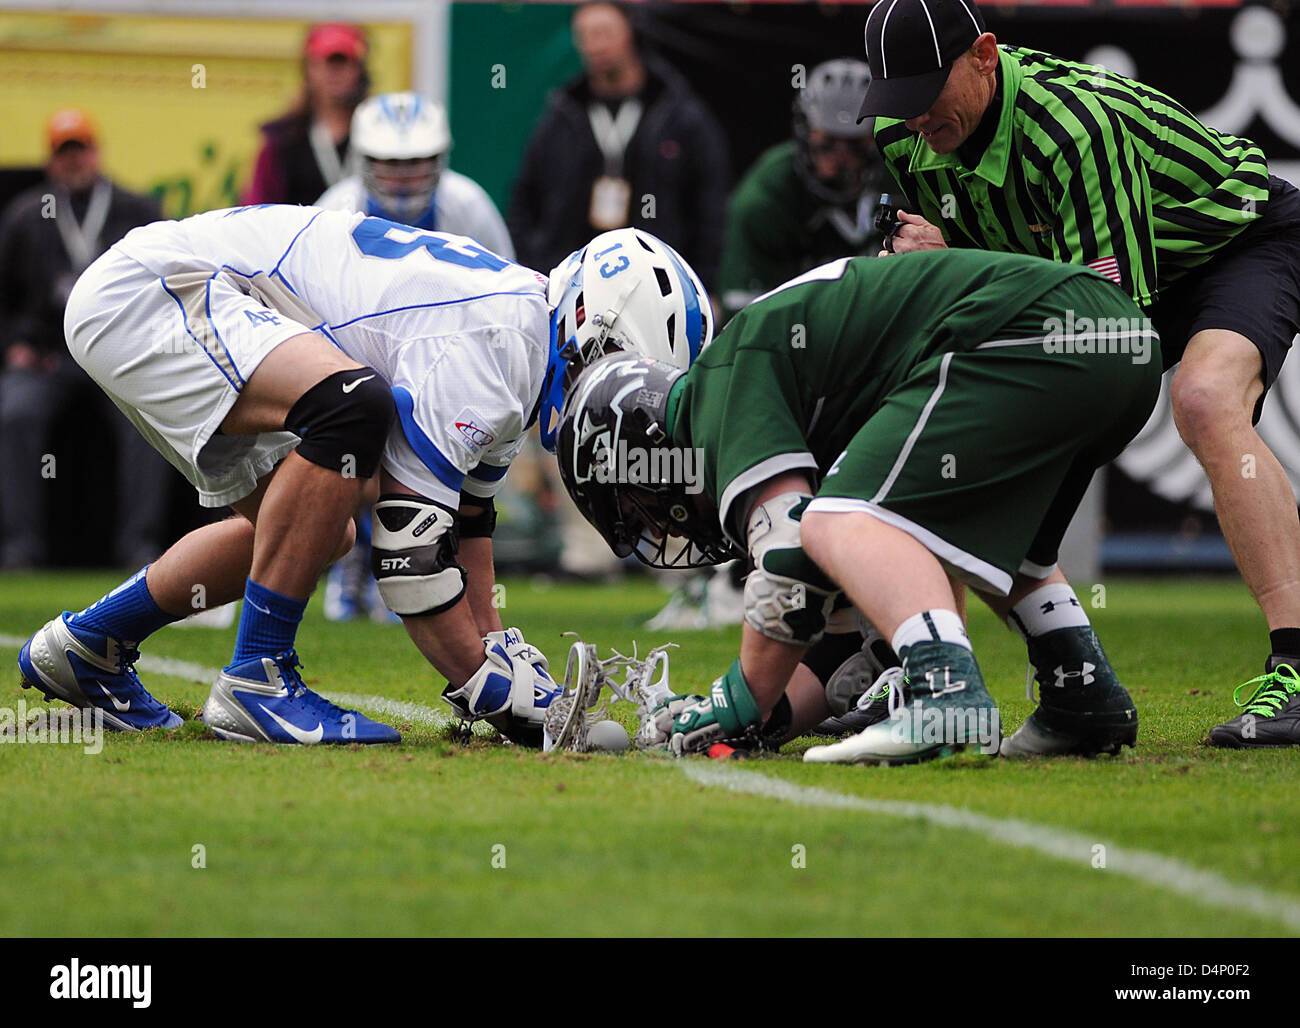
(398, 150)
(280, 356)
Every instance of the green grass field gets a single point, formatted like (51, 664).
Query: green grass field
(408, 840)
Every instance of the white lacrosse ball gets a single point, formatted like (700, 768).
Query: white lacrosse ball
(607, 735)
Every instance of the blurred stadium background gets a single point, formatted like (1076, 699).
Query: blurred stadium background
(178, 89)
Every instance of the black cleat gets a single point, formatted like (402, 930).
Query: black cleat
(872, 706)
(1272, 711)
(1082, 708)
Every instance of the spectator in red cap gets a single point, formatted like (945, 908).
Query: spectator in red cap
(304, 151)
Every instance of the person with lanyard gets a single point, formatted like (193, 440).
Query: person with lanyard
(626, 143)
(304, 151)
(49, 234)
(1010, 149)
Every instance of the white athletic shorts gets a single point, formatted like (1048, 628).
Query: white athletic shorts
(173, 353)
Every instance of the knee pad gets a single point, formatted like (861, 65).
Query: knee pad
(787, 596)
(343, 421)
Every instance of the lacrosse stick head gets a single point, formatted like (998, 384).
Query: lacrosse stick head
(578, 707)
(652, 686)
(569, 715)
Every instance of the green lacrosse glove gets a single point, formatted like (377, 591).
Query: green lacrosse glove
(688, 725)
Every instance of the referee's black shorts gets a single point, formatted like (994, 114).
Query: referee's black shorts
(1251, 286)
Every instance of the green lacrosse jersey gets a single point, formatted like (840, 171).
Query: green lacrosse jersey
(796, 374)
(777, 229)
(1088, 167)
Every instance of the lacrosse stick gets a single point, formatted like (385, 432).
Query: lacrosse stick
(579, 705)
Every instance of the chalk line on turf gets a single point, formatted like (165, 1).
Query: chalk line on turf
(1205, 887)
(191, 672)
(1149, 868)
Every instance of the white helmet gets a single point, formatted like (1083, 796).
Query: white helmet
(407, 128)
(626, 291)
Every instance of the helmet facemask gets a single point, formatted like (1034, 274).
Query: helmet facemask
(674, 533)
(857, 167)
(404, 187)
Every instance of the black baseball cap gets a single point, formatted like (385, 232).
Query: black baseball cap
(911, 46)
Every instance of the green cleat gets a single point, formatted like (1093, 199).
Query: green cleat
(1082, 708)
(940, 707)
(1272, 712)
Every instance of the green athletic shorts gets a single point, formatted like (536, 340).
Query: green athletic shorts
(983, 455)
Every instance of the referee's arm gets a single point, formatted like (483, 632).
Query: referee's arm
(1083, 162)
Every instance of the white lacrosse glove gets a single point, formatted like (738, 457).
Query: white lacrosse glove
(512, 688)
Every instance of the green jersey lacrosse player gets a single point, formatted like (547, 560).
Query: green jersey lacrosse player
(881, 428)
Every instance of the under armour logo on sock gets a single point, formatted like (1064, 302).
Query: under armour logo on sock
(1051, 605)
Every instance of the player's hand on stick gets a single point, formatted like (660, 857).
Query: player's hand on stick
(512, 688)
(915, 234)
(660, 730)
(685, 726)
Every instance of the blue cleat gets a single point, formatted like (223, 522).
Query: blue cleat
(265, 700)
(92, 670)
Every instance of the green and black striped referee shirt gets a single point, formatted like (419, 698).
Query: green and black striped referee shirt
(1087, 167)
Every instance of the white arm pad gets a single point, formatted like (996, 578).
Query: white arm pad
(413, 555)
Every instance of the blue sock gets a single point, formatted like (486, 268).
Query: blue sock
(128, 613)
(267, 624)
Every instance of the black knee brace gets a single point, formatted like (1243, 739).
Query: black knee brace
(344, 421)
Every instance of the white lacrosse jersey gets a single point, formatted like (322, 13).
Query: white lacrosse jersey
(460, 206)
(460, 334)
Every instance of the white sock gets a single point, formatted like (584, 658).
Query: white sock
(929, 625)
(1047, 609)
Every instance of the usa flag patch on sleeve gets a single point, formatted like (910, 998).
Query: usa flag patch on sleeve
(1106, 267)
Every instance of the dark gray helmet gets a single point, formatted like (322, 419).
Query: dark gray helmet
(829, 103)
(625, 475)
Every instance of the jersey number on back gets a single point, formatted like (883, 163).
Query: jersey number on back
(379, 237)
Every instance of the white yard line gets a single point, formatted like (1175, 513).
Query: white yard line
(1149, 868)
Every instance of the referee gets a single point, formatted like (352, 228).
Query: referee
(1011, 149)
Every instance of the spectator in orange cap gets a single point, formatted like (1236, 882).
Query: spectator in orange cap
(48, 235)
(304, 151)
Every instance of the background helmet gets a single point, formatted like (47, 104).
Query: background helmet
(399, 142)
(829, 103)
(625, 475)
(627, 291)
